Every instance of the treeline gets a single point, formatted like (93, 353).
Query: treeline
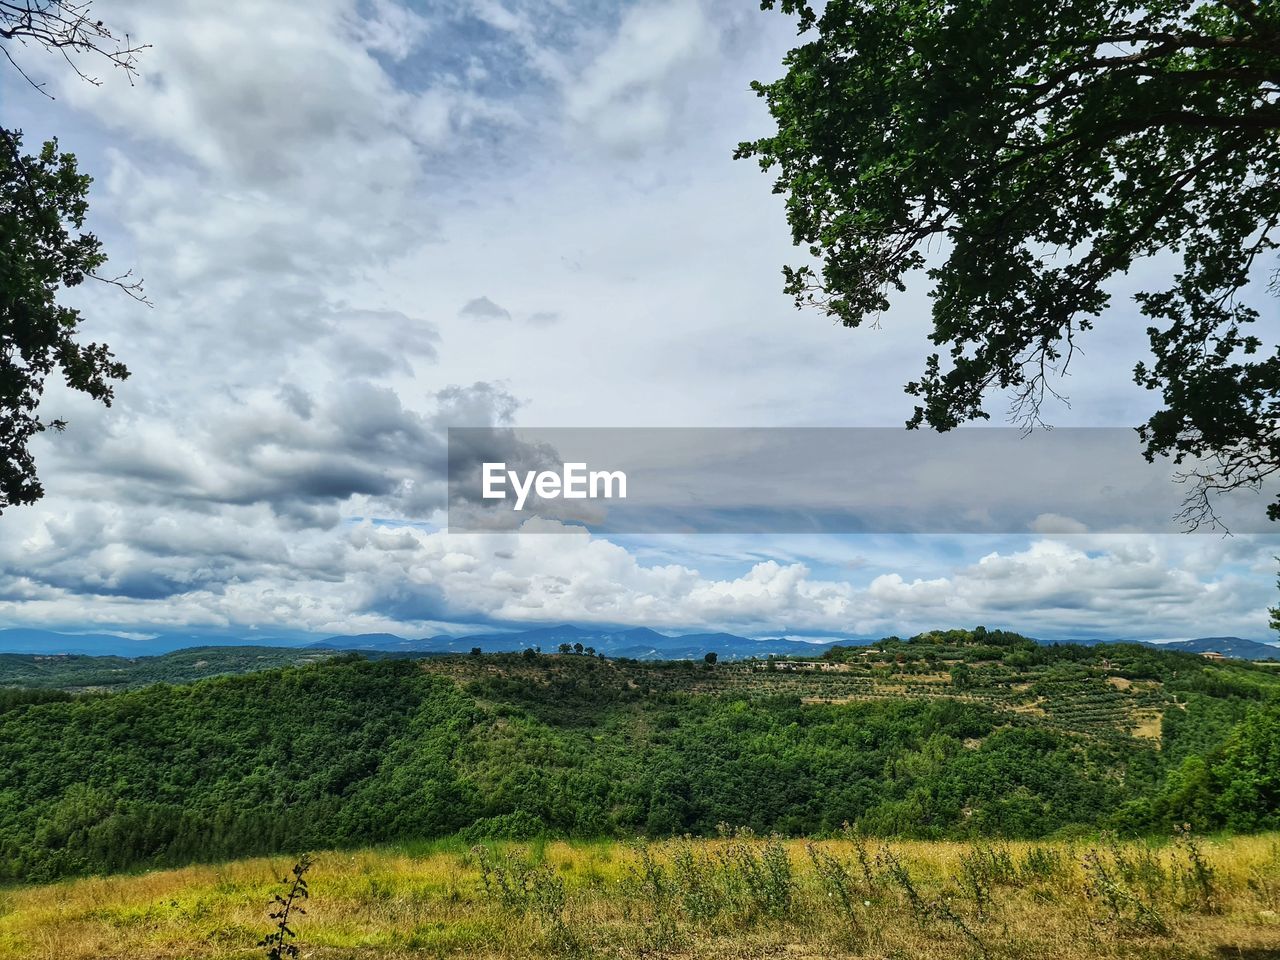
(1234, 785)
(78, 671)
(353, 752)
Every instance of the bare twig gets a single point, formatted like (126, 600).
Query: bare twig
(68, 28)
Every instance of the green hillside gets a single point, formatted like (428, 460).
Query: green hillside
(78, 672)
(946, 735)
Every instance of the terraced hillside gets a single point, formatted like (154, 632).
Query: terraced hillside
(1123, 690)
(947, 735)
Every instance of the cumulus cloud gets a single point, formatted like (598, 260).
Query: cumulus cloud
(262, 166)
(274, 94)
(412, 579)
(311, 190)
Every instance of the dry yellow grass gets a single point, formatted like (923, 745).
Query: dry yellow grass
(699, 899)
(1148, 724)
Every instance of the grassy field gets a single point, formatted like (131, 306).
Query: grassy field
(735, 897)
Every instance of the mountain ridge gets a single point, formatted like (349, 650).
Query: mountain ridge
(640, 643)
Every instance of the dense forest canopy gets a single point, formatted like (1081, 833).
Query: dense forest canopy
(947, 734)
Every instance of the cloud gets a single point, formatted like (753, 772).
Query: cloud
(1055, 523)
(311, 190)
(482, 308)
(257, 175)
(384, 26)
(233, 569)
(631, 94)
(281, 94)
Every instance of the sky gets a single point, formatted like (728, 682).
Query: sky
(362, 222)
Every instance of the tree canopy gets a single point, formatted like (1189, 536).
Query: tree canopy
(356, 752)
(42, 210)
(1039, 150)
(44, 248)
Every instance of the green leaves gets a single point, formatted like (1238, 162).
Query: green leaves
(1027, 155)
(1033, 740)
(43, 204)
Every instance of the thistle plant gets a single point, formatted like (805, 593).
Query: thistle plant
(283, 906)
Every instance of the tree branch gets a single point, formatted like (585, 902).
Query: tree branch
(66, 27)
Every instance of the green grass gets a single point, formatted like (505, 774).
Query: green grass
(738, 896)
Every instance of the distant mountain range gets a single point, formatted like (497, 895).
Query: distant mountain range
(24, 640)
(640, 643)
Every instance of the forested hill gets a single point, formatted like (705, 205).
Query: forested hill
(947, 734)
(82, 673)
